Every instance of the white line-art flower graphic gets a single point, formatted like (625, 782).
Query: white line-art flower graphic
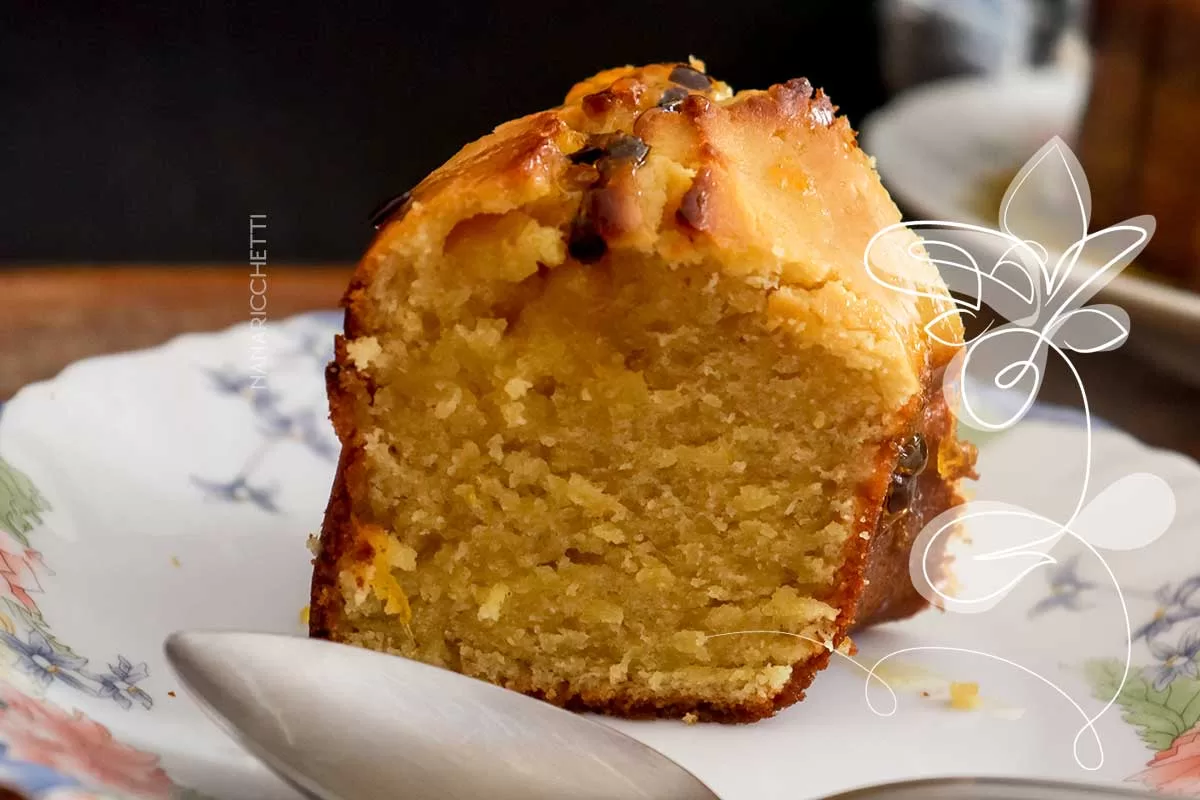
(1043, 292)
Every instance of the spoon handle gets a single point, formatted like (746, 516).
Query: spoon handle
(992, 789)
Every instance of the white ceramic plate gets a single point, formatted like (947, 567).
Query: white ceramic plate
(938, 149)
(154, 491)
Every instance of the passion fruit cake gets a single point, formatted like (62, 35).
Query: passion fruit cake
(625, 422)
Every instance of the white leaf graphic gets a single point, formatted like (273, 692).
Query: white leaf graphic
(1004, 543)
(1092, 330)
(1089, 264)
(1020, 278)
(1011, 360)
(1013, 286)
(932, 327)
(1049, 197)
(894, 244)
(1130, 513)
(977, 264)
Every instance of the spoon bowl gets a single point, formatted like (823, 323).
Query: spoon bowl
(344, 723)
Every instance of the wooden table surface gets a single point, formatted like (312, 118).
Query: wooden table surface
(50, 317)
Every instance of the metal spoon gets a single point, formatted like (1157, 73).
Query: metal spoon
(992, 789)
(343, 723)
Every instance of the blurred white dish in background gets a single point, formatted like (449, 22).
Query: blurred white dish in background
(929, 40)
(947, 150)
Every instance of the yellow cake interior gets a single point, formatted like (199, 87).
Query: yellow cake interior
(579, 473)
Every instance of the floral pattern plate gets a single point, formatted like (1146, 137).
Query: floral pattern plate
(175, 488)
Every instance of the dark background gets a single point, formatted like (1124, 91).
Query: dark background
(145, 133)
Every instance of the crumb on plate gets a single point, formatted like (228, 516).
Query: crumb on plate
(964, 696)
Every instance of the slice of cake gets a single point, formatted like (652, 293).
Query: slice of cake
(615, 382)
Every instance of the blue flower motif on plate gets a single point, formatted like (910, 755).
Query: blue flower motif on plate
(312, 345)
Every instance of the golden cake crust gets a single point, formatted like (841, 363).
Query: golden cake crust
(717, 185)
(727, 191)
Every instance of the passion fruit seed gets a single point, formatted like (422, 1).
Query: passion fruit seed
(672, 98)
(900, 494)
(914, 455)
(626, 147)
(584, 242)
(617, 146)
(388, 208)
(589, 154)
(692, 79)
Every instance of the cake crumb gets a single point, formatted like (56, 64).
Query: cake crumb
(753, 498)
(691, 718)
(175, 561)
(964, 696)
(171, 694)
(490, 608)
(304, 615)
(448, 405)
(517, 387)
(363, 351)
